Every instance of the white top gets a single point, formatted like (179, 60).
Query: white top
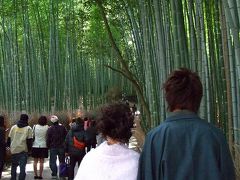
(40, 134)
(19, 138)
(109, 162)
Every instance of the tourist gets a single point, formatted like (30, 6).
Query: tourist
(39, 150)
(92, 135)
(71, 149)
(185, 147)
(100, 139)
(134, 109)
(55, 142)
(2, 144)
(86, 123)
(112, 159)
(20, 142)
(72, 124)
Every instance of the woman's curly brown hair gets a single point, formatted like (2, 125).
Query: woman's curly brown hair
(115, 121)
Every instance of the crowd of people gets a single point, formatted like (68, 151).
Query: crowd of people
(42, 140)
(183, 147)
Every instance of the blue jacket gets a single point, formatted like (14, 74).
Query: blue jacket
(185, 147)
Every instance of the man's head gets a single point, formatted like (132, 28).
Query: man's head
(23, 121)
(183, 90)
(54, 119)
(24, 118)
(79, 121)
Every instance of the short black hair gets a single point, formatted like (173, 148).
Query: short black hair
(79, 121)
(42, 120)
(115, 120)
(73, 119)
(24, 117)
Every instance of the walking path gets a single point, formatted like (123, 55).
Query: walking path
(6, 175)
(29, 171)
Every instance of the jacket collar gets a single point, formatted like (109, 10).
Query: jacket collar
(182, 114)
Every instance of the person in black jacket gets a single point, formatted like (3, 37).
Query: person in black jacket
(56, 135)
(92, 135)
(2, 144)
(75, 136)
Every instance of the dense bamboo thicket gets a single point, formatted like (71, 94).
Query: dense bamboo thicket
(203, 35)
(53, 55)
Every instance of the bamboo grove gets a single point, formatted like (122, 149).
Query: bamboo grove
(57, 55)
(201, 35)
(52, 56)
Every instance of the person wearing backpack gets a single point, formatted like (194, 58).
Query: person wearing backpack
(75, 143)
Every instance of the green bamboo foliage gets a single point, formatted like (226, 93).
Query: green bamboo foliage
(232, 20)
(188, 33)
(54, 54)
(49, 61)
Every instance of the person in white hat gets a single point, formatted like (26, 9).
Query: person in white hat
(55, 142)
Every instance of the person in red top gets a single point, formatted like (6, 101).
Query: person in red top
(74, 152)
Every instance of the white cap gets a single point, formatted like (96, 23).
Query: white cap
(54, 118)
